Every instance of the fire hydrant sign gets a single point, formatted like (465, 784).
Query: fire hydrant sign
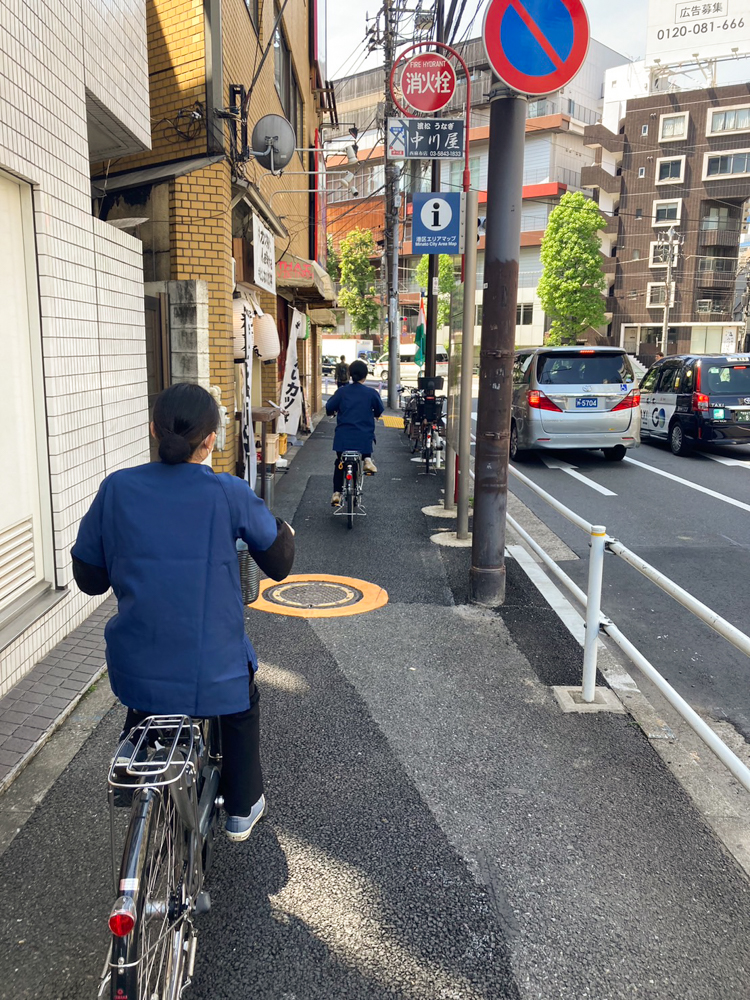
(536, 46)
(425, 139)
(428, 82)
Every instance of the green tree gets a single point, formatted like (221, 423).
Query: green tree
(572, 282)
(446, 283)
(357, 279)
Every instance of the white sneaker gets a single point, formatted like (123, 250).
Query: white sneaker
(336, 500)
(369, 466)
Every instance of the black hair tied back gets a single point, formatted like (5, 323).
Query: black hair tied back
(184, 416)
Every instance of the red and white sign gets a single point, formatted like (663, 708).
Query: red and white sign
(428, 82)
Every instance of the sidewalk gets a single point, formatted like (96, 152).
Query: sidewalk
(438, 829)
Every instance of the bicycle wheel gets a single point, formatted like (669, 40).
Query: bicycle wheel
(155, 866)
(350, 507)
(427, 453)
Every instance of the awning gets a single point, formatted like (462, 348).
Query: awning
(100, 186)
(322, 317)
(307, 278)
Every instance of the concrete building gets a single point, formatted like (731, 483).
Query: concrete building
(73, 388)
(682, 160)
(555, 155)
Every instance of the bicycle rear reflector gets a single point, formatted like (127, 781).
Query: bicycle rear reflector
(122, 917)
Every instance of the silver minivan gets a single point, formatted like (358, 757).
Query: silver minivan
(575, 397)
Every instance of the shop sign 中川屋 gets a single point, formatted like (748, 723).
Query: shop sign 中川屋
(425, 138)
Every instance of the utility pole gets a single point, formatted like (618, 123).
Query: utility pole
(671, 244)
(434, 263)
(502, 248)
(392, 201)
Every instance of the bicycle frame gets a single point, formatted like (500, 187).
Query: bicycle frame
(353, 478)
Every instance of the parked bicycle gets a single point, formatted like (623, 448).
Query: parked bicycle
(171, 765)
(351, 493)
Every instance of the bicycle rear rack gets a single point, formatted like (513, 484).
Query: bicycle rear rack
(171, 733)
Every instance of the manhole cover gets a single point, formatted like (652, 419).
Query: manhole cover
(318, 595)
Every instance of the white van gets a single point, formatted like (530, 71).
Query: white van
(410, 371)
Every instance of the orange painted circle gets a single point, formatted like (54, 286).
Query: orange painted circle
(319, 595)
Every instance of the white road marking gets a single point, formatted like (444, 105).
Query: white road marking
(729, 461)
(570, 470)
(692, 486)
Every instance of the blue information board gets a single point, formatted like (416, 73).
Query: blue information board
(437, 222)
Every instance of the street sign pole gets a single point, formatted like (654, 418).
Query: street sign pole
(433, 270)
(502, 243)
(467, 365)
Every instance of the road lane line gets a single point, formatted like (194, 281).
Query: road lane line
(571, 470)
(729, 461)
(692, 486)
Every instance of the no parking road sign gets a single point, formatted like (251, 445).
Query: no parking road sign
(536, 46)
(437, 224)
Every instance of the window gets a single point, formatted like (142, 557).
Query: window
(576, 367)
(644, 129)
(670, 171)
(669, 380)
(524, 313)
(723, 120)
(735, 163)
(252, 9)
(520, 367)
(456, 175)
(664, 213)
(649, 379)
(673, 128)
(636, 255)
(286, 82)
(656, 294)
(658, 255)
(639, 213)
(641, 171)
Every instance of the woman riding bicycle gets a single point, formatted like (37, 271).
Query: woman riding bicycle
(357, 406)
(163, 536)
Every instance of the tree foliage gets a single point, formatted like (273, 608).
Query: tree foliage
(572, 282)
(446, 283)
(357, 279)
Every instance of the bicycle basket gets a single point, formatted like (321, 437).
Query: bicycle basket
(249, 575)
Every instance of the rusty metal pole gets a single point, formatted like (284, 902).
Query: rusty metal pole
(502, 245)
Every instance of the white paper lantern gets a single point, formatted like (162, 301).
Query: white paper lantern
(239, 308)
(267, 342)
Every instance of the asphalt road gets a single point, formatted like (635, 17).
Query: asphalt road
(690, 518)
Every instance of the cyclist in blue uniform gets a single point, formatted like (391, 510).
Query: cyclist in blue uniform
(163, 536)
(358, 406)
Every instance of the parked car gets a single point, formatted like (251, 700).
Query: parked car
(409, 370)
(329, 365)
(369, 358)
(690, 399)
(574, 397)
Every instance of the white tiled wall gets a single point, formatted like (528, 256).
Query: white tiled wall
(52, 55)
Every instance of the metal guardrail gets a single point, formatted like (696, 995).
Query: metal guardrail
(597, 622)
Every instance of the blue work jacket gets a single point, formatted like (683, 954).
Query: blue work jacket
(167, 537)
(358, 406)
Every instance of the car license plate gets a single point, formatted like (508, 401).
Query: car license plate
(586, 403)
(743, 416)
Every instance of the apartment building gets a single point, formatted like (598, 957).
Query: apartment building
(199, 201)
(73, 387)
(680, 161)
(554, 157)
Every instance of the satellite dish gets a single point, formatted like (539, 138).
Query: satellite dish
(273, 142)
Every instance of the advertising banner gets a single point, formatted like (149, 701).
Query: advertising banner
(677, 32)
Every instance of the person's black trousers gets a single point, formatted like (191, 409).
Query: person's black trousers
(338, 471)
(241, 775)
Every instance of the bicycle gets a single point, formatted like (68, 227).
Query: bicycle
(172, 766)
(351, 494)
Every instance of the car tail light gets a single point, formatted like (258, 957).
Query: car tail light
(700, 401)
(586, 352)
(122, 917)
(629, 402)
(538, 401)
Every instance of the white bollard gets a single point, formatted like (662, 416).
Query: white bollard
(593, 610)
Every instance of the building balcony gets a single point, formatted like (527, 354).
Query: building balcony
(719, 234)
(612, 226)
(597, 177)
(609, 265)
(711, 278)
(599, 135)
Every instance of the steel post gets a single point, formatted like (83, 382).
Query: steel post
(593, 610)
(467, 364)
(502, 245)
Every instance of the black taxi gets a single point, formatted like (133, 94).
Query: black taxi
(690, 399)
